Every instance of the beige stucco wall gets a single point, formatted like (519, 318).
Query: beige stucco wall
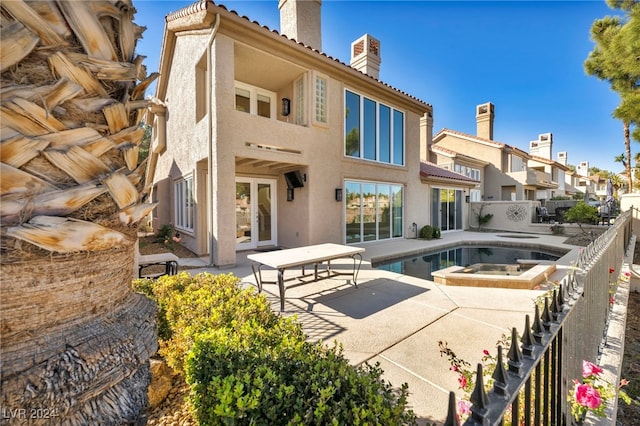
(518, 216)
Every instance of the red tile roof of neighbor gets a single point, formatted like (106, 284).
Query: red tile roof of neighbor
(428, 169)
(201, 5)
(487, 141)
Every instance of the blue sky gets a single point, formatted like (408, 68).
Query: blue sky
(524, 56)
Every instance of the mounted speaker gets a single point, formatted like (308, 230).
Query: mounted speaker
(294, 179)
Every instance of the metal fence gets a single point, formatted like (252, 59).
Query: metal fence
(545, 358)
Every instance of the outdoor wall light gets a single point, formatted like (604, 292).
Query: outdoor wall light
(286, 106)
(338, 194)
(289, 194)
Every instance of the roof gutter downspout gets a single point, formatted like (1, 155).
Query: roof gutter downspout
(208, 88)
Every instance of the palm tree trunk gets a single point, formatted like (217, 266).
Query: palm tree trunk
(627, 146)
(76, 340)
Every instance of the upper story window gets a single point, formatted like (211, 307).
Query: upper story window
(298, 101)
(517, 164)
(184, 204)
(468, 171)
(255, 100)
(320, 99)
(373, 131)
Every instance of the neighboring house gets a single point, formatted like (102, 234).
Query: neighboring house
(541, 160)
(585, 184)
(506, 176)
(571, 183)
(262, 140)
(468, 166)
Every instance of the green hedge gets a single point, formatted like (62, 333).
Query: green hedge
(248, 365)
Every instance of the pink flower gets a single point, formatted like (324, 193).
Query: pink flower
(176, 239)
(611, 270)
(590, 369)
(454, 368)
(623, 382)
(464, 407)
(587, 396)
(486, 352)
(462, 381)
(611, 300)
(627, 274)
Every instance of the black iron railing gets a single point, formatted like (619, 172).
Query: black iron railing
(531, 388)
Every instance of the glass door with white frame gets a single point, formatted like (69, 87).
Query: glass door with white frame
(255, 213)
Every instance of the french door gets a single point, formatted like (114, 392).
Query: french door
(255, 213)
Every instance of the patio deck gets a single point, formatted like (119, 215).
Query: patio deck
(398, 320)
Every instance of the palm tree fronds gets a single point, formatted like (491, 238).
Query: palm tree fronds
(19, 150)
(121, 189)
(24, 14)
(78, 163)
(65, 235)
(105, 70)
(17, 43)
(117, 117)
(64, 67)
(135, 213)
(28, 118)
(87, 28)
(16, 181)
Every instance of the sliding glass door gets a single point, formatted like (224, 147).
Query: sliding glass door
(373, 211)
(446, 209)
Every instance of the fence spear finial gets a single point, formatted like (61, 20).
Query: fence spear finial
(500, 375)
(527, 338)
(452, 415)
(515, 355)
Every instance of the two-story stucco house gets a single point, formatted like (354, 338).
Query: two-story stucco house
(506, 177)
(541, 160)
(260, 139)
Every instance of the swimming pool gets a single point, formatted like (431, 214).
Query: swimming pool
(422, 266)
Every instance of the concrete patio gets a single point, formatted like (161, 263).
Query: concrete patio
(397, 320)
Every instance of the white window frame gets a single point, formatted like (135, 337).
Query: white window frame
(184, 204)
(254, 92)
(392, 160)
(320, 100)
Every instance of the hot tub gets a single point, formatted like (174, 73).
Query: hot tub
(519, 276)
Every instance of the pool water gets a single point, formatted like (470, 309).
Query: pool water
(422, 266)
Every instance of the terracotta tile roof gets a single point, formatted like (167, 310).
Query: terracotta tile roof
(548, 161)
(202, 6)
(431, 170)
(446, 131)
(451, 153)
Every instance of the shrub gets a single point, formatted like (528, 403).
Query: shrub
(246, 364)
(436, 233)
(426, 232)
(259, 375)
(191, 305)
(581, 213)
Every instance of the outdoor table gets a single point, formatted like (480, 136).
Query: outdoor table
(168, 260)
(302, 256)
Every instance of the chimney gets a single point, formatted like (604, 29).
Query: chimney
(484, 121)
(543, 147)
(300, 20)
(562, 158)
(365, 55)
(583, 168)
